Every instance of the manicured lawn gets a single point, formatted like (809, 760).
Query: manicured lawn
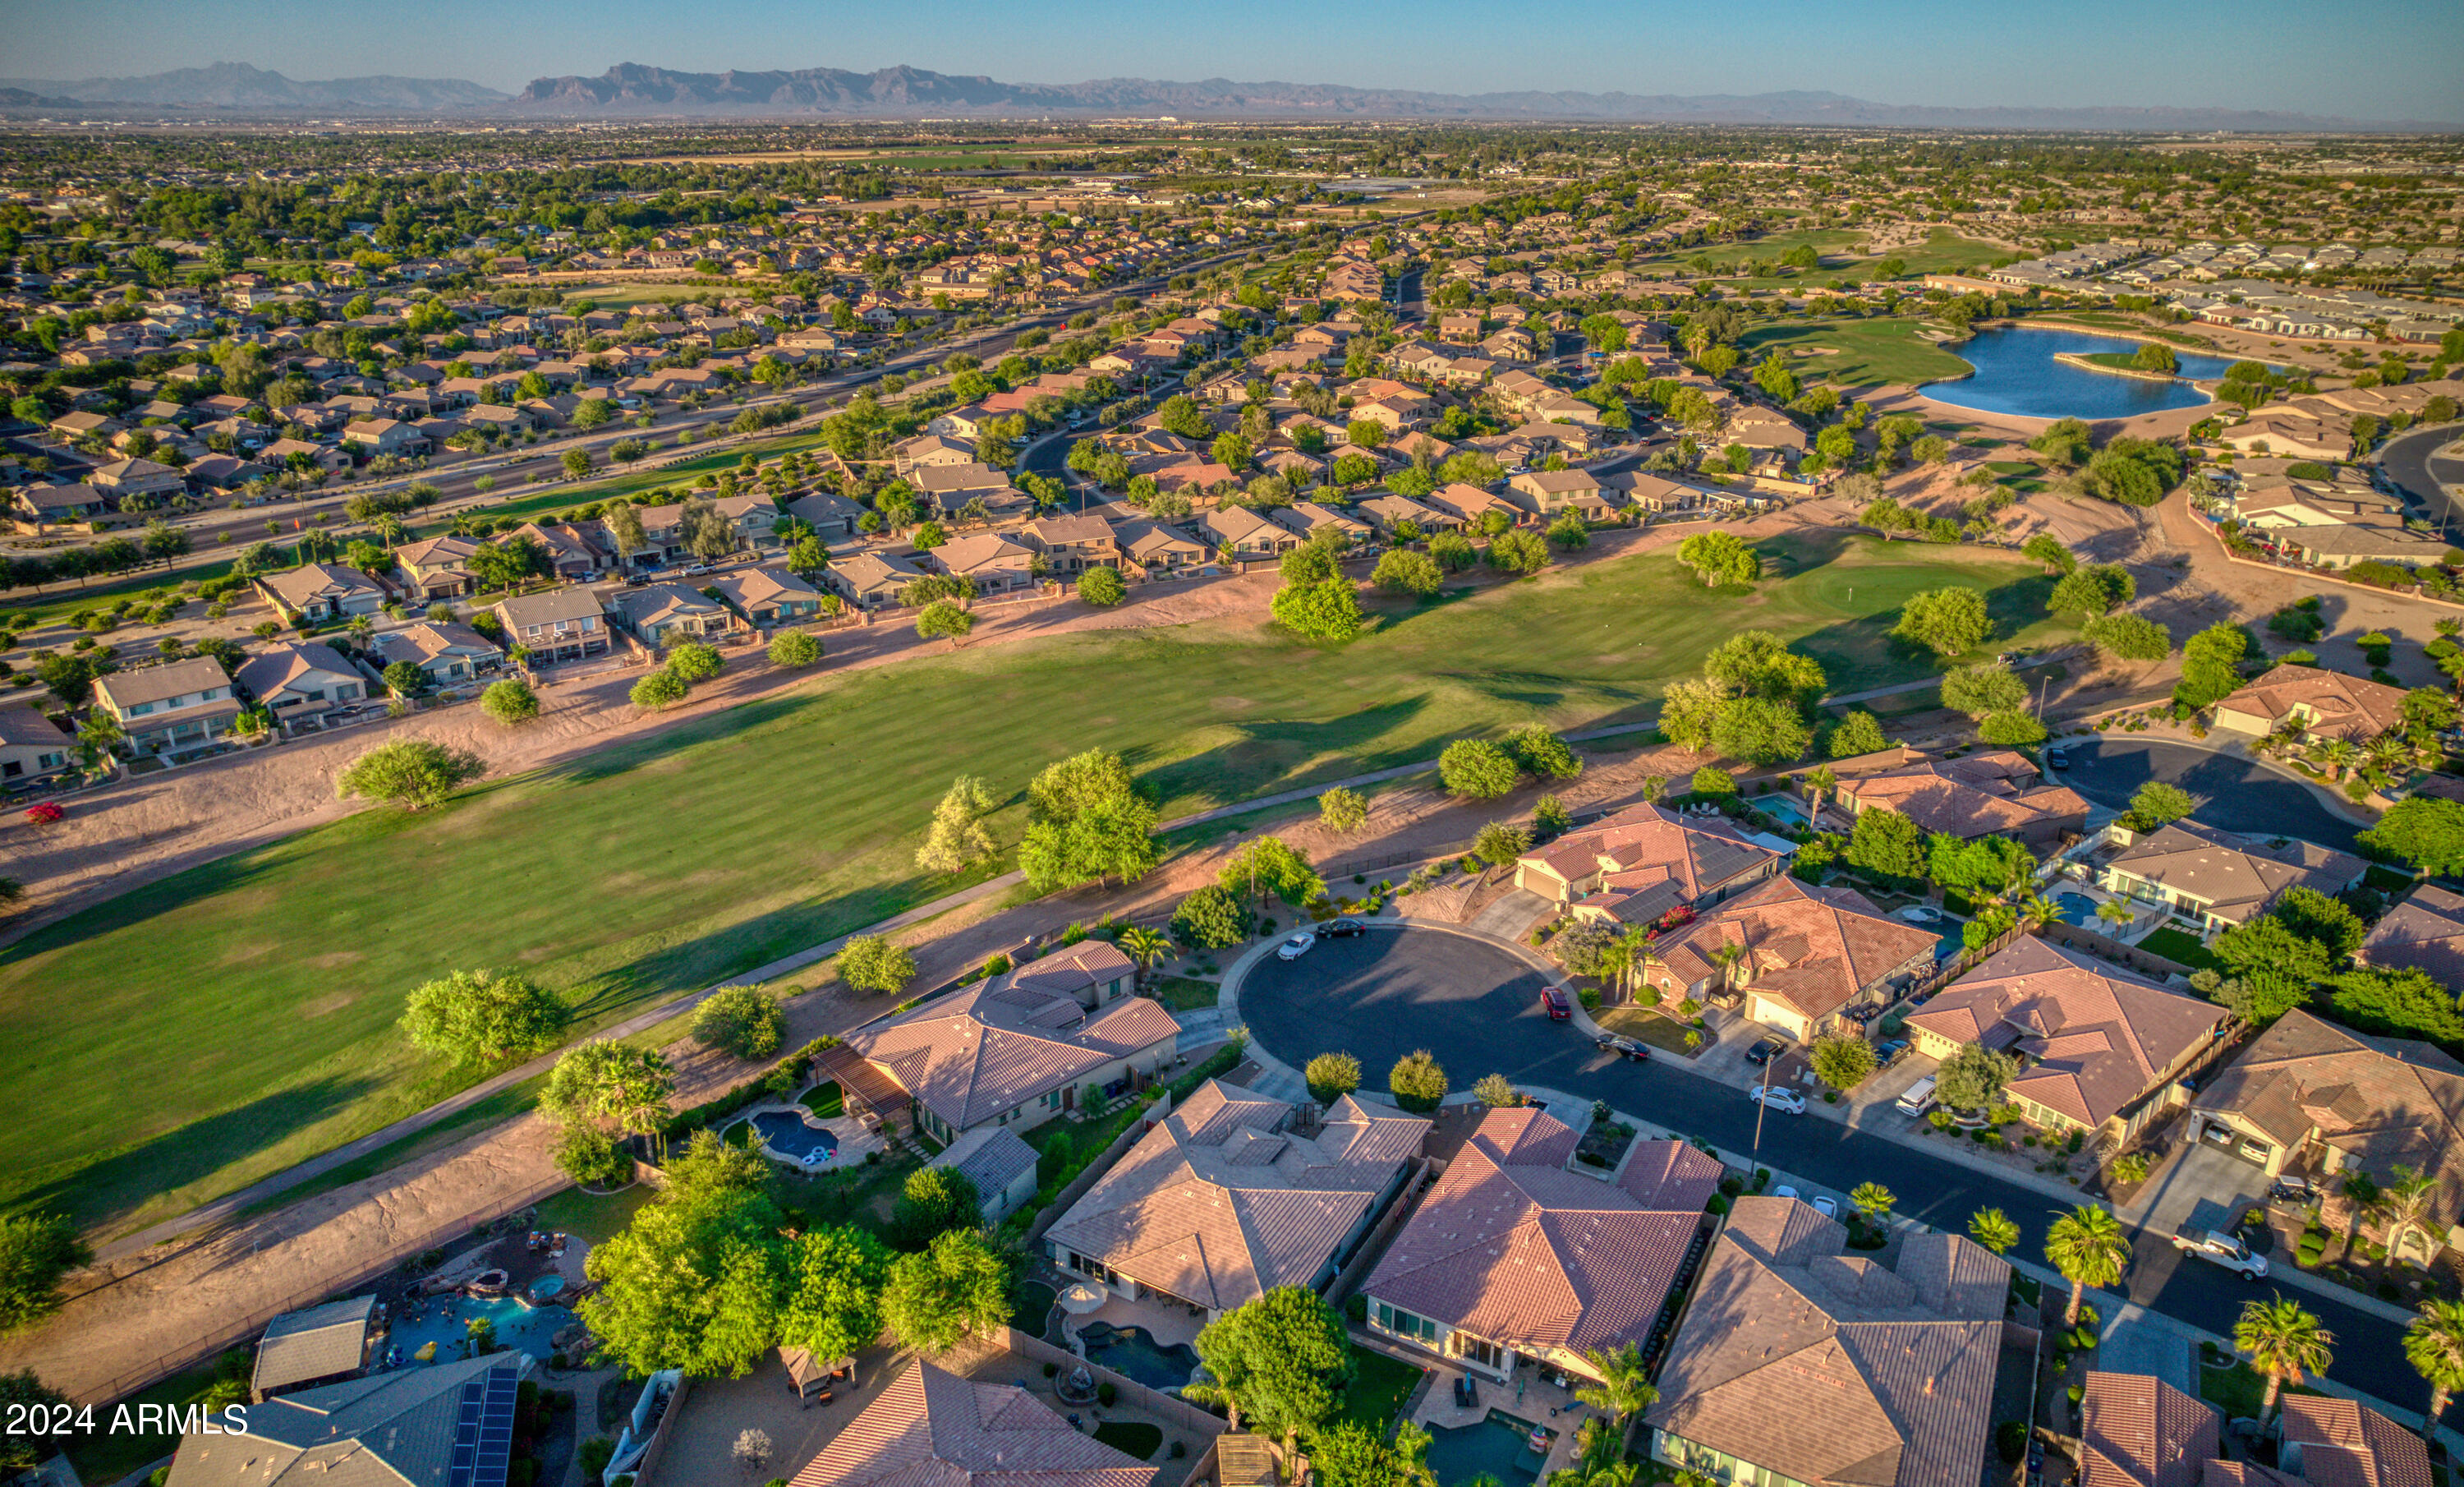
(1034, 1304)
(592, 1216)
(1131, 1438)
(2184, 948)
(261, 992)
(1646, 1025)
(1854, 354)
(824, 1099)
(2237, 1388)
(1186, 993)
(1378, 1389)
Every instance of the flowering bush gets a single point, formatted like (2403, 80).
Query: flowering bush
(45, 813)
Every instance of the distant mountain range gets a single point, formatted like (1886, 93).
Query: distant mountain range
(633, 90)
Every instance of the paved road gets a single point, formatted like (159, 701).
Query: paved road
(1476, 1006)
(2234, 793)
(2435, 481)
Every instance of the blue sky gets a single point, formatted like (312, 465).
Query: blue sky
(2375, 59)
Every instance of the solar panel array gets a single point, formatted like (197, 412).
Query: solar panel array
(483, 1436)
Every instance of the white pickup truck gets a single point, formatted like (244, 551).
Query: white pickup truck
(2219, 1249)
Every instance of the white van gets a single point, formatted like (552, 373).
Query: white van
(1918, 1097)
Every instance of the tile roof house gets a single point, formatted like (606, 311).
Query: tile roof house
(769, 596)
(168, 707)
(1799, 1360)
(31, 746)
(437, 568)
(1642, 862)
(1809, 953)
(2425, 932)
(451, 654)
(422, 1426)
(995, 564)
(1514, 1255)
(2136, 1431)
(1001, 1165)
(1222, 1200)
(2098, 1046)
(662, 614)
(317, 1345)
(320, 592)
(1995, 793)
(2323, 704)
(299, 682)
(1073, 545)
(559, 624)
(930, 1427)
(2217, 878)
(870, 580)
(2341, 1443)
(1025, 1045)
(2310, 1095)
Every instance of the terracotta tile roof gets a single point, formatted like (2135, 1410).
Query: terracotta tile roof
(2238, 877)
(2426, 931)
(1514, 1248)
(974, 1054)
(2329, 704)
(1982, 795)
(1832, 1370)
(2343, 1444)
(2381, 1100)
(2093, 1036)
(2136, 1431)
(936, 1429)
(1650, 855)
(1812, 947)
(1219, 1203)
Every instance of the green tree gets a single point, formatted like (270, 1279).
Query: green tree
(2434, 1346)
(1542, 754)
(589, 1155)
(36, 1250)
(933, 1201)
(957, 838)
(2157, 803)
(1993, 1229)
(1518, 552)
(1086, 822)
(1102, 587)
(944, 620)
(1403, 571)
(2011, 730)
(483, 1017)
(835, 1276)
(2093, 590)
(795, 650)
(658, 689)
(1720, 557)
(2284, 1343)
(1281, 1363)
(1946, 621)
(23, 1450)
(1874, 1201)
(2397, 1002)
(1329, 609)
(1860, 732)
(1845, 1061)
(695, 661)
(411, 773)
(1331, 1075)
(2324, 922)
(1351, 1455)
(510, 702)
(957, 1289)
(740, 1021)
(1267, 865)
(1500, 843)
(1986, 687)
(2048, 550)
(610, 1084)
(1342, 810)
(2088, 1246)
(2128, 638)
(1418, 1081)
(2424, 831)
(1973, 1077)
(1211, 919)
(1886, 843)
(2211, 665)
(697, 1280)
(1477, 770)
(871, 963)
(2275, 966)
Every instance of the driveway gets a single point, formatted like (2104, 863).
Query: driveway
(2234, 793)
(1475, 1005)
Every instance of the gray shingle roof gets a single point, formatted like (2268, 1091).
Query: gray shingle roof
(390, 1430)
(316, 1343)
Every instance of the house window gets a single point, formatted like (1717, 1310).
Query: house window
(1395, 1319)
(1480, 1351)
(139, 709)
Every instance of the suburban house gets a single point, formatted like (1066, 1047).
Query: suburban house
(2320, 704)
(300, 683)
(2308, 1096)
(1995, 793)
(2215, 877)
(47, 504)
(2100, 1049)
(1800, 955)
(575, 553)
(31, 747)
(560, 625)
(2335, 1442)
(992, 561)
(827, 513)
(870, 580)
(2136, 1431)
(1798, 1363)
(168, 707)
(145, 481)
(1387, 511)
(948, 488)
(451, 654)
(437, 568)
(662, 614)
(1072, 544)
(322, 591)
(1544, 492)
(2425, 932)
(1024, 1046)
(1637, 865)
(322, 1344)
(766, 597)
(1242, 535)
(933, 1425)
(1001, 1166)
(429, 1424)
(384, 436)
(1224, 1200)
(1160, 550)
(1469, 505)
(1517, 1254)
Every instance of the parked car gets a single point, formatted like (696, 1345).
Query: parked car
(1341, 928)
(1783, 1190)
(1826, 1205)
(1888, 1053)
(1765, 1051)
(1918, 1097)
(2220, 1249)
(2056, 759)
(696, 570)
(1296, 946)
(1779, 1097)
(1553, 1002)
(1622, 1047)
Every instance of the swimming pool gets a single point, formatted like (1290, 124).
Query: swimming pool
(1499, 1446)
(784, 1132)
(1132, 1352)
(445, 1320)
(2077, 908)
(1781, 807)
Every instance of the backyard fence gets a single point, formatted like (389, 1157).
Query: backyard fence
(1379, 864)
(390, 1256)
(2144, 961)
(1101, 1163)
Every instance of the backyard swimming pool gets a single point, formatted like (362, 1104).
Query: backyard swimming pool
(1131, 1352)
(2078, 908)
(445, 1320)
(785, 1133)
(1498, 1447)
(1782, 809)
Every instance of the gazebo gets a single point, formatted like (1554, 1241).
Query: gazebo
(808, 1376)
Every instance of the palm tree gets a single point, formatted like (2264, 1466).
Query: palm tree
(1144, 948)
(2035, 910)
(1819, 786)
(1875, 1201)
(2389, 752)
(2338, 755)
(2434, 1345)
(1727, 957)
(2113, 911)
(1993, 1229)
(2405, 1202)
(1655, 788)
(1624, 1389)
(2284, 1342)
(2088, 1247)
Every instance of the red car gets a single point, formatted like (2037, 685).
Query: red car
(1553, 1001)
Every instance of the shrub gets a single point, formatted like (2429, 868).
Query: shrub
(1418, 1081)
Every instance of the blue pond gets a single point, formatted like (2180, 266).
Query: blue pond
(785, 1133)
(1498, 1447)
(445, 1320)
(2078, 908)
(1132, 1352)
(2016, 373)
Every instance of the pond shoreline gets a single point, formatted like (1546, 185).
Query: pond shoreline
(2040, 379)
(2085, 362)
